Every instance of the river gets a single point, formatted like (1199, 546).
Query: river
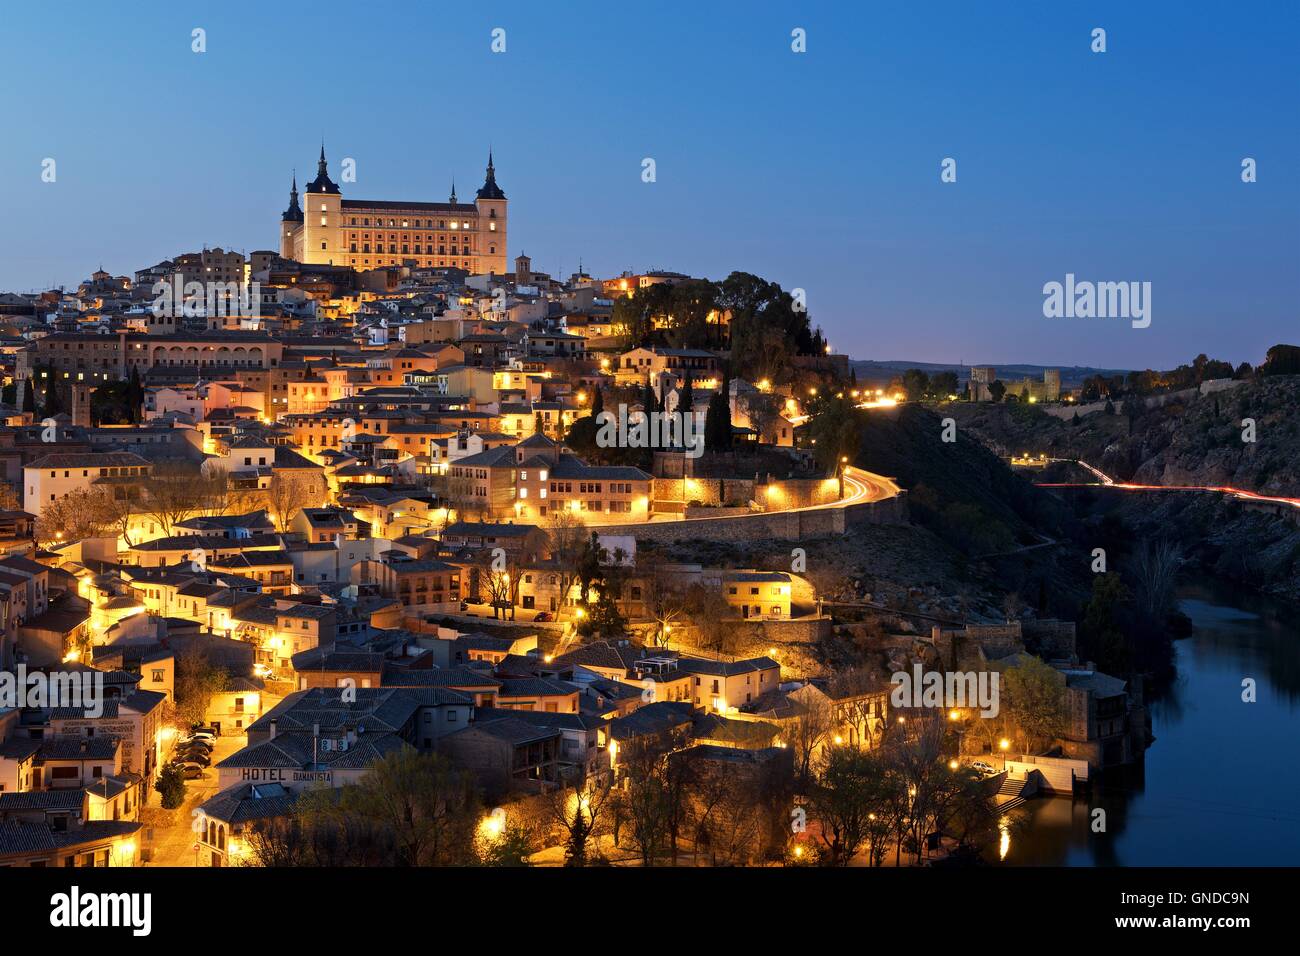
(1219, 783)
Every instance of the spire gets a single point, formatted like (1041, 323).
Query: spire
(453, 190)
(490, 188)
(294, 212)
(322, 183)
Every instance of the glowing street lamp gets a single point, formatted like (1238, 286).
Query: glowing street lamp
(492, 825)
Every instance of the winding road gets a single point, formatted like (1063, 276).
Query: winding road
(1104, 480)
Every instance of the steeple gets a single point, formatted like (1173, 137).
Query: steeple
(322, 183)
(490, 188)
(453, 190)
(294, 212)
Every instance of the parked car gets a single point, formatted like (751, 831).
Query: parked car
(191, 771)
(202, 742)
(983, 768)
(194, 756)
(202, 736)
(206, 729)
(542, 617)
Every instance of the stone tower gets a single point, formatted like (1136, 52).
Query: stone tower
(322, 218)
(491, 204)
(523, 270)
(290, 222)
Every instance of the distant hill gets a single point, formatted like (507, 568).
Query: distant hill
(1189, 440)
(872, 369)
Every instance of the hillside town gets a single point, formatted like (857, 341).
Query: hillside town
(368, 514)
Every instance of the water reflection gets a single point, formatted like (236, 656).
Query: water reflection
(1217, 787)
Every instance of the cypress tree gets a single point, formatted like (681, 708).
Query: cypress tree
(717, 423)
(53, 403)
(134, 396)
(29, 396)
(686, 400)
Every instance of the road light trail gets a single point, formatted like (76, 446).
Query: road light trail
(1104, 480)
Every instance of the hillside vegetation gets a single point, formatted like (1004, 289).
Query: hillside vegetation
(1188, 440)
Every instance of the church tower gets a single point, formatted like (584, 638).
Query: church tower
(491, 205)
(523, 270)
(290, 223)
(323, 218)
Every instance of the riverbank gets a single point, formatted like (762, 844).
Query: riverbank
(1215, 789)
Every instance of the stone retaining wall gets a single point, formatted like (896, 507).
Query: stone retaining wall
(768, 526)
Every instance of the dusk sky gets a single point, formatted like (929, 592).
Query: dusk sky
(818, 170)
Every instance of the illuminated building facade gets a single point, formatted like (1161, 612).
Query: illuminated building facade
(327, 229)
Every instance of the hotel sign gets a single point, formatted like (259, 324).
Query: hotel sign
(281, 775)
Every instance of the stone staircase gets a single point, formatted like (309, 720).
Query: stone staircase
(1011, 793)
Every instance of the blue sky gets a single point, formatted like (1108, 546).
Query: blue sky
(819, 170)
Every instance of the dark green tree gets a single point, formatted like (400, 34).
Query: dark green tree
(916, 384)
(53, 404)
(717, 421)
(135, 396)
(171, 785)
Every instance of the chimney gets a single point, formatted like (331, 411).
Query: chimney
(272, 737)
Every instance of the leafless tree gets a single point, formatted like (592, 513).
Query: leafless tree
(80, 514)
(578, 808)
(1155, 568)
(288, 494)
(11, 498)
(764, 412)
(813, 728)
(709, 611)
(568, 539)
(221, 495)
(665, 601)
(456, 495)
(1012, 606)
(500, 572)
(172, 493)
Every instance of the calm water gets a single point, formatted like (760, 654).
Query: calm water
(1220, 782)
